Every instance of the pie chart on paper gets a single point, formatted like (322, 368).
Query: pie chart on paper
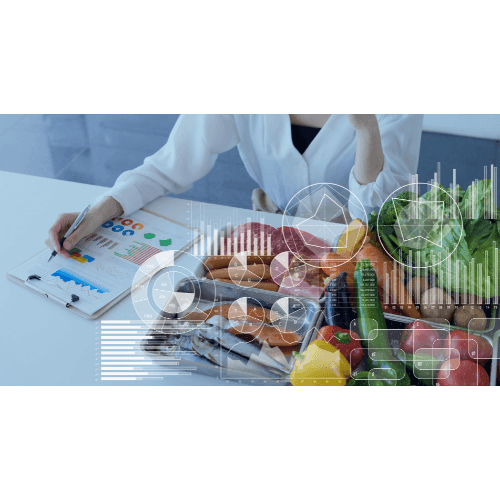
(280, 271)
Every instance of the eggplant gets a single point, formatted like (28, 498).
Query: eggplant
(338, 310)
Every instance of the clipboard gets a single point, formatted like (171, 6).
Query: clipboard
(32, 281)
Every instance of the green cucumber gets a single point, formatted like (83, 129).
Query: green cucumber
(384, 367)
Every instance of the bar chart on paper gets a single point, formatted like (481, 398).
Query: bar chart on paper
(102, 268)
(138, 253)
(101, 241)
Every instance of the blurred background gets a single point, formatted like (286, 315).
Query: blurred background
(95, 149)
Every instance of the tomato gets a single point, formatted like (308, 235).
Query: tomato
(479, 349)
(454, 371)
(346, 341)
(455, 345)
(422, 337)
(467, 346)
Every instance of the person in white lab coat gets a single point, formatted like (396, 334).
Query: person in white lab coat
(371, 155)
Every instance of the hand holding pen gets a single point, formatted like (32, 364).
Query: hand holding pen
(67, 231)
(70, 231)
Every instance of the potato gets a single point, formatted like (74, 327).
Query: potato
(436, 303)
(464, 314)
(415, 290)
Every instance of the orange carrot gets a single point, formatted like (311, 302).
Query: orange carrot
(395, 287)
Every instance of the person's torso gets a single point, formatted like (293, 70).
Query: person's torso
(272, 160)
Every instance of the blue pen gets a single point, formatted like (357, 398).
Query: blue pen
(73, 227)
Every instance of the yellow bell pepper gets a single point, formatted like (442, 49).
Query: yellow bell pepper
(320, 364)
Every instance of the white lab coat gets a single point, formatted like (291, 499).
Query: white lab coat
(265, 145)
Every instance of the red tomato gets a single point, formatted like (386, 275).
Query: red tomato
(346, 341)
(467, 346)
(455, 345)
(422, 337)
(479, 349)
(454, 371)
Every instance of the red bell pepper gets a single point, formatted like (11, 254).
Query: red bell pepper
(346, 341)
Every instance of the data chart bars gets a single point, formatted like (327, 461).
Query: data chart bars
(138, 253)
(119, 356)
(101, 241)
(216, 228)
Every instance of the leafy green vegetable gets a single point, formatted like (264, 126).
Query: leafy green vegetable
(466, 236)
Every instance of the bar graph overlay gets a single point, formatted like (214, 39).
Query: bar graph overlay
(119, 356)
(138, 253)
(216, 225)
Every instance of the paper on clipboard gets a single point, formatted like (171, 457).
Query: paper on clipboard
(103, 265)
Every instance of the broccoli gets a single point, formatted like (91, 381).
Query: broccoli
(387, 218)
(390, 209)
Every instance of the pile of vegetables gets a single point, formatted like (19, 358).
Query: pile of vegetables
(362, 275)
(474, 212)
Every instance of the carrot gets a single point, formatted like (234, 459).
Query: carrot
(396, 286)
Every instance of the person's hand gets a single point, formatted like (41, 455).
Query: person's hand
(97, 215)
(369, 153)
(363, 122)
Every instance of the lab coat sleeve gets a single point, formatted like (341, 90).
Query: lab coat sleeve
(401, 136)
(188, 155)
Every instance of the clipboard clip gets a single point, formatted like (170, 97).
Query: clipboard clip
(74, 298)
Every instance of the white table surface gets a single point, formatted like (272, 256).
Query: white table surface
(40, 342)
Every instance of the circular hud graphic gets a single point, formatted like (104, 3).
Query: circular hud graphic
(155, 292)
(420, 225)
(314, 218)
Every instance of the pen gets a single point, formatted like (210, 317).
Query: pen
(73, 227)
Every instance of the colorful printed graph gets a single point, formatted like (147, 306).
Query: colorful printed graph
(68, 276)
(129, 222)
(101, 241)
(138, 254)
(75, 254)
